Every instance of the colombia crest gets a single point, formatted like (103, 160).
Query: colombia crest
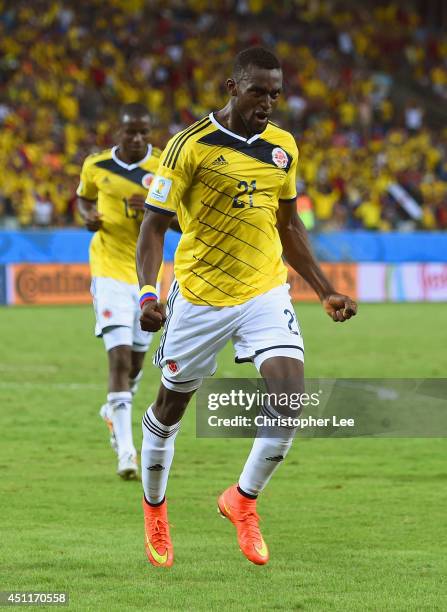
(279, 157)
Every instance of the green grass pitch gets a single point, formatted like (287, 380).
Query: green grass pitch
(351, 524)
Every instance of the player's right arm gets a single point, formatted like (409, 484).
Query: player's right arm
(149, 257)
(165, 193)
(89, 214)
(87, 193)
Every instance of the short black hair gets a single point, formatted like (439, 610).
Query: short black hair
(135, 110)
(254, 56)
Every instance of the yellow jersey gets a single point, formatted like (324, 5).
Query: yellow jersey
(225, 191)
(110, 181)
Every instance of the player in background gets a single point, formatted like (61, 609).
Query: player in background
(231, 178)
(111, 197)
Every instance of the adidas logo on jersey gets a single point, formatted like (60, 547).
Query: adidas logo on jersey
(220, 161)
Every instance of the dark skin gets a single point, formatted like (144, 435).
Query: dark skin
(253, 95)
(133, 140)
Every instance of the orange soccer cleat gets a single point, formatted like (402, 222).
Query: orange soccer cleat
(157, 540)
(241, 511)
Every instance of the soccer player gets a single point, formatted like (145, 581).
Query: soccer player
(111, 197)
(231, 179)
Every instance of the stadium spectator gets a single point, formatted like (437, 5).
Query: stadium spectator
(43, 211)
(349, 69)
(414, 117)
(305, 206)
(8, 218)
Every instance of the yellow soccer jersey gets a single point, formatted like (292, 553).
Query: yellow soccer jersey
(111, 182)
(225, 191)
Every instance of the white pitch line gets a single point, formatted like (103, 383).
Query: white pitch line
(46, 385)
(28, 367)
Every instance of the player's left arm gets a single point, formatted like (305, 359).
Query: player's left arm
(298, 253)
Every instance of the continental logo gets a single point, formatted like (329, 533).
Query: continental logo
(51, 284)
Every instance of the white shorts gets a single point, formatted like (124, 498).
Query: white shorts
(263, 327)
(117, 304)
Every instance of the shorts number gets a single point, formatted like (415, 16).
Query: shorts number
(244, 189)
(291, 321)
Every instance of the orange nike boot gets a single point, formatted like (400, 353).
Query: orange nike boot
(241, 511)
(157, 541)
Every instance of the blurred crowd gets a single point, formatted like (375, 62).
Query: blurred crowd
(369, 156)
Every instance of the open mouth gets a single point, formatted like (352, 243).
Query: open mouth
(261, 116)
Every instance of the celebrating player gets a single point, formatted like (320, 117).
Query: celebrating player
(231, 178)
(111, 198)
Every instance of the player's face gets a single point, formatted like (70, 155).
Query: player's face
(257, 92)
(134, 136)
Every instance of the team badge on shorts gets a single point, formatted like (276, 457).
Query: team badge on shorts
(107, 313)
(147, 180)
(279, 157)
(172, 366)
